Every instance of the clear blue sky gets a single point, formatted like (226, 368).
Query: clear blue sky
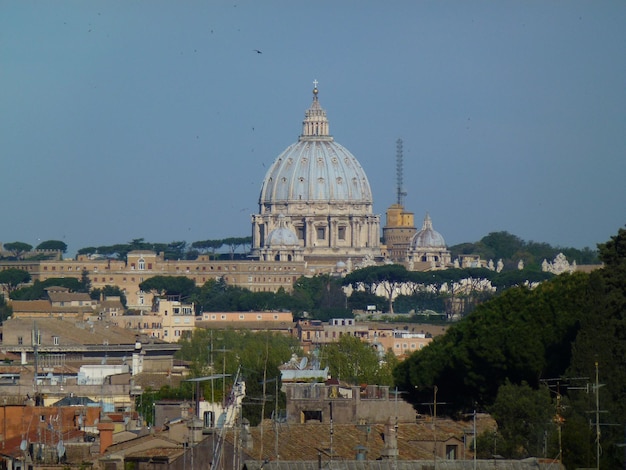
(158, 120)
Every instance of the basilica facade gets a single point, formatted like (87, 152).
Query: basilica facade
(316, 202)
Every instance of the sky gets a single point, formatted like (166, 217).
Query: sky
(159, 119)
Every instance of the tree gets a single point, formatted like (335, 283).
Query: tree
(90, 250)
(389, 277)
(37, 290)
(5, 310)
(525, 417)
(169, 285)
(355, 361)
(235, 242)
(12, 278)
(18, 249)
(520, 335)
(208, 245)
(503, 244)
(109, 291)
(52, 245)
(258, 353)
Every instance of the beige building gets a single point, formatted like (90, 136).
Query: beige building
(428, 247)
(169, 320)
(382, 337)
(398, 231)
(255, 275)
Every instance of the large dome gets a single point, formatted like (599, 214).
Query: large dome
(316, 190)
(316, 168)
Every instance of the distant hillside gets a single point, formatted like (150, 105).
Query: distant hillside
(511, 249)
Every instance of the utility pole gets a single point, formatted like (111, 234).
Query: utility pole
(434, 424)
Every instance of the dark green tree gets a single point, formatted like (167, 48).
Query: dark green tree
(521, 335)
(12, 278)
(89, 250)
(38, 289)
(170, 286)
(388, 277)
(53, 245)
(108, 291)
(525, 418)
(5, 310)
(18, 249)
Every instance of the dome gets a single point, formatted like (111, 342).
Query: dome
(281, 236)
(427, 237)
(316, 168)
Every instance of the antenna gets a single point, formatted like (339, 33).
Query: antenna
(399, 173)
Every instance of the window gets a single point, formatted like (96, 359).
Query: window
(341, 233)
(55, 340)
(142, 264)
(164, 333)
(300, 232)
(321, 233)
(20, 340)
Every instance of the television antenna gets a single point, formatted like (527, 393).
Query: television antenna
(400, 193)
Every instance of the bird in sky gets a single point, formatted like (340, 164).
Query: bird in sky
(257, 51)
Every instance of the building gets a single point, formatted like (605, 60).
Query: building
(140, 265)
(398, 232)
(317, 190)
(428, 247)
(61, 356)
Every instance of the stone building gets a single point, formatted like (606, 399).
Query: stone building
(318, 191)
(398, 231)
(428, 246)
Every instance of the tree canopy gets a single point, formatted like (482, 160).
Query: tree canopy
(18, 249)
(54, 245)
(12, 278)
(357, 362)
(510, 248)
(563, 333)
(259, 354)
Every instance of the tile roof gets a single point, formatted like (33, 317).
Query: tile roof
(307, 441)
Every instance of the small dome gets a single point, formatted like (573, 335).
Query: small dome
(281, 236)
(427, 237)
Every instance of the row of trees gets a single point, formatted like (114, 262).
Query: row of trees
(495, 246)
(320, 297)
(511, 249)
(530, 357)
(258, 356)
(174, 250)
(19, 249)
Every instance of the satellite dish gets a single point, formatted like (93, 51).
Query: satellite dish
(303, 363)
(24, 445)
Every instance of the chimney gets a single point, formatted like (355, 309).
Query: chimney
(105, 427)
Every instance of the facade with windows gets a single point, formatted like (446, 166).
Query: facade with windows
(317, 190)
